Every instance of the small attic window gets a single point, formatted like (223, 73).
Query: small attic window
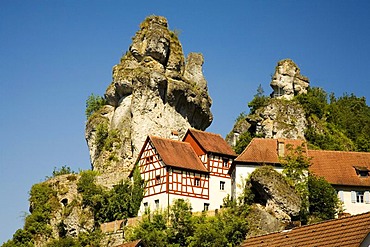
(362, 171)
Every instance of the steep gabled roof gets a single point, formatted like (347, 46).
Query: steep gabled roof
(261, 150)
(211, 143)
(349, 231)
(339, 167)
(177, 154)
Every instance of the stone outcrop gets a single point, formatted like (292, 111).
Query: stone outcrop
(280, 117)
(153, 92)
(277, 203)
(287, 80)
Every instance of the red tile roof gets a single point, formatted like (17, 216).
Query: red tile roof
(131, 244)
(344, 232)
(177, 154)
(261, 150)
(338, 167)
(212, 143)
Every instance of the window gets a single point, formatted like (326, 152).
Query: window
(157, 179)
(149, 159)
(145, 206)
(222, 185)
(360, 197)
(206, 206)
(225, 163)
(362, 171)
(197, 181)
(156, 204)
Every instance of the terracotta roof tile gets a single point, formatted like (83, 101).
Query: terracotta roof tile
(177, 154)
(213, 143)
(261, 150)
(131, 244)
(348, 231)
(338, 167)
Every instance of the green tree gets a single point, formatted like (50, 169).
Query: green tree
(181, 222)
(259, 100)
(93, 104)
(295, 167)
(323, 199)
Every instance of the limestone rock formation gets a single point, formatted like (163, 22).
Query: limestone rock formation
(153, 92)
(279, 119)
(277, 203)
(287, 80)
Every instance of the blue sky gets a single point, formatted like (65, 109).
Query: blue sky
(54, 54)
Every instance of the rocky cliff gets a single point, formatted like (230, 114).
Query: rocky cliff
(154, 91)
(280, 116)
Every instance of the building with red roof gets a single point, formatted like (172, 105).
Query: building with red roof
(195, 169)
(352, 231)
(347, 172)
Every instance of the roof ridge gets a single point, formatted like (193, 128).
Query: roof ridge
(336, 151)
(202, 131)
(165, 139)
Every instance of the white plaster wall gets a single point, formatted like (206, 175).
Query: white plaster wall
(162, 197)
(216, 196)
(197, 204)
(353, 207)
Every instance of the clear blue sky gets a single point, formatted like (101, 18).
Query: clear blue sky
(53, 54)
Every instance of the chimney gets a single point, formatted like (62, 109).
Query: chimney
(174, 135)
(281, 148)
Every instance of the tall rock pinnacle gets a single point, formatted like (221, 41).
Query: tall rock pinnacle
(153, 92)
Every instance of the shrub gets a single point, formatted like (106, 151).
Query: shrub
(93, 104)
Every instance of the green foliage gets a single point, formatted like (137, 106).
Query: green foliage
(296, 164)
(90, 239)
(181, 228)
(21, 238)
(341, 124)
(323, 199)
(106, 139)
(242, 142)
(315, 102)
(93, 104)
(62, 171)
(352, 116)
(121, 202)
(259, 100)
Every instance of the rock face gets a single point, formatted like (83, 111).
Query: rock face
(153, 92)
(287, 80)
(279, 119)
(276, 202)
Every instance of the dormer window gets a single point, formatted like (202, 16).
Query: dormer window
(362, 171)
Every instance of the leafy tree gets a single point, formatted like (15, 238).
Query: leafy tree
(93, 104)
(259, 100)
(295, 167)
(62, 171)
(151, 230)
(243, 141)
(315, 102)
(181, 222)
(324, 202)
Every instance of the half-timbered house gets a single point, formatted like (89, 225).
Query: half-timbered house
(172, 170)
(217, 156)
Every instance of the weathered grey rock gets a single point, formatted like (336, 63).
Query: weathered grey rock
(280, 119)
(153, 92)
(287, 80)
(275, 194)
